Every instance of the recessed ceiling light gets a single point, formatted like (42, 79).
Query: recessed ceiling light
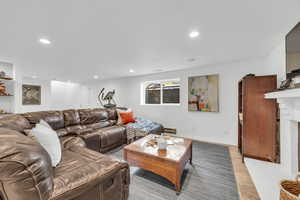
(34, 77)
(158, 70)
(131, 70)
(191, 59)
(194, 34)
(95, 76)
(44, 41)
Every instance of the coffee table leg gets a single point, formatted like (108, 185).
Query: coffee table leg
(191, 159)
(177, 187)
(178, 181)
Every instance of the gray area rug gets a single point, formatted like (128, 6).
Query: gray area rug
(210, 178)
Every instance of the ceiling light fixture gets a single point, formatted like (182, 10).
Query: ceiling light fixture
(158, 70)
(95, 76)
(34, 77)
(190, 59)
(194, 34)
(131, 70)
(44, 41)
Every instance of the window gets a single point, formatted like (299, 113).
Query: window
(166, 92)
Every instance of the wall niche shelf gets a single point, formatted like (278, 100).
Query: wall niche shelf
(5, 114)
(9, 95)
(7, 100)
(6, 79)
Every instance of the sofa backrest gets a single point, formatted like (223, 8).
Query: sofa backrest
(54, 118)
(62, 121)
(71, 117)
(15, 122)
(92, 116)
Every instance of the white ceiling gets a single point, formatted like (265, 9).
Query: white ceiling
(108, 38)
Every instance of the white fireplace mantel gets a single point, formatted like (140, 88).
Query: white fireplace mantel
(289, 105)
(289, 93)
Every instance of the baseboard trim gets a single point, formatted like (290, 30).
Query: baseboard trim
(197, 140)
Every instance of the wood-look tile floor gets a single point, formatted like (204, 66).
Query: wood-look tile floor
(246, 188)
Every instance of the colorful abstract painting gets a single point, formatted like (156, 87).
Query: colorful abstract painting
(204, 93)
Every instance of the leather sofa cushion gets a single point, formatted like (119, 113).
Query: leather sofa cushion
(15, 122)
(99, 125)
(71, 117)
(92, 140)
(62, 132)
(112, 114)
(104, 139)
(111, 135)
(54, 118)
(70, 141)
(113, 122)
(81, 169)
(74, 130)
(78, 130)
(91, 116)
(26, 171)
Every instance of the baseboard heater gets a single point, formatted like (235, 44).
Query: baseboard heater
(170, 130)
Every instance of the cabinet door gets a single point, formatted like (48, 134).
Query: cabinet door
(259, 130)
(240, 122)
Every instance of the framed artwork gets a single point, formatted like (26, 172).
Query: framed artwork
(31, 94)
(203, 93)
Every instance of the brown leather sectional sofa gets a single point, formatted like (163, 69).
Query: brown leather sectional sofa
(97, 127)
(83, 174)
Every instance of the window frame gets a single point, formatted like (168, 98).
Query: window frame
(143, 92)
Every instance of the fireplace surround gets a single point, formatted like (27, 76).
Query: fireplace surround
(289, 105)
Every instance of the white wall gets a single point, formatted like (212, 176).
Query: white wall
(276, 61)
(65, 95)
(55, 95)
(218, 127)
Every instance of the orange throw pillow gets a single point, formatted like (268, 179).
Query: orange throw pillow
(127, 117)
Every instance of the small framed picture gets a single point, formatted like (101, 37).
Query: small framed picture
(31, 94)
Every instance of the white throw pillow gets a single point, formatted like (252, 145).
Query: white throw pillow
(44, 123)
(48, 138)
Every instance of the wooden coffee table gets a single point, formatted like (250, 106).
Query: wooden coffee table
(168, 164)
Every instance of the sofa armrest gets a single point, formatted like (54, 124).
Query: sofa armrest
(126, 181)
(25, 168)
(70, 141)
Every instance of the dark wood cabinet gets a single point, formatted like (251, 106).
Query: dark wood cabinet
(257, 124)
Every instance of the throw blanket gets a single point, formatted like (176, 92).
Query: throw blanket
(142, 127)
